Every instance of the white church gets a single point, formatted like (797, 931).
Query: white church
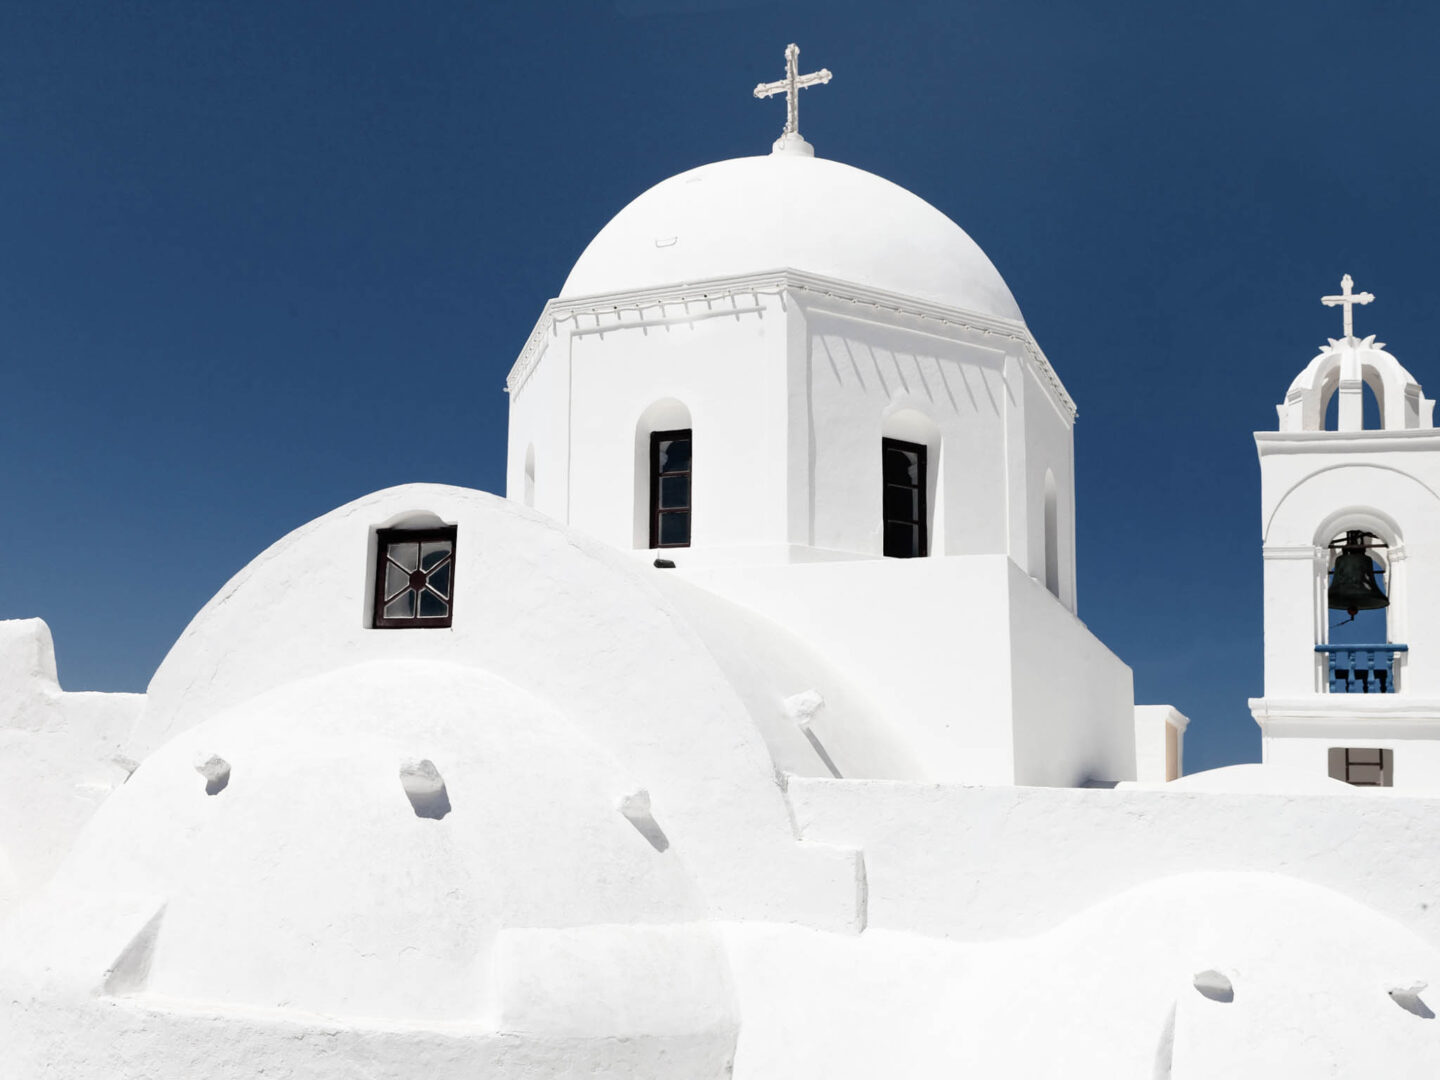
(754, 733)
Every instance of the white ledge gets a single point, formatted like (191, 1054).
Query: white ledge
(1378, 440)
(776, 282)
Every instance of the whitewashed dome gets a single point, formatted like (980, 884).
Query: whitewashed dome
(309, 879)
(780, 211)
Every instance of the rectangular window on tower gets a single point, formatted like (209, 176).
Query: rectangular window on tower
(1363, 767)
(670, 488)
(904, 499)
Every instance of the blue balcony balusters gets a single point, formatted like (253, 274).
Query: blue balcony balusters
(1361, 669)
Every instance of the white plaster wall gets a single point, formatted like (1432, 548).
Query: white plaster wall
(1049, 446)
(80, 1036)
(580, 626)
(1109, 992)
(785, 682)
(983, 863)
(724, 363)
(1073, 699)
(1151, 724)
(57, 752)
(938, 645)
(540, 417)
(1417, 760)
(1314, 483)
(862, 370)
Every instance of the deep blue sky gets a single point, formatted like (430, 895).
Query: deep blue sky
(259, 259)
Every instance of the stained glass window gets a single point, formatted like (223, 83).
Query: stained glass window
(414, 577)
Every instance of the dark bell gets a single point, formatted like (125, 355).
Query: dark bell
(1352, 585)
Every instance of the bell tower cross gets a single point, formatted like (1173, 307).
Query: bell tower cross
(1346, 299)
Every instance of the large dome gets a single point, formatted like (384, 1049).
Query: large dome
(790, 211)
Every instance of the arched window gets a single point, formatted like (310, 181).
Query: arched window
(909, 495)
(906, 520)
(664, 483)
(670, 488)
(1357, 649)
(1372, 400)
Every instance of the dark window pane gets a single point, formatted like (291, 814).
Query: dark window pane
(674, 492)
(404, 555)
(675, 529)
(902, 504)
(901, 466)
(440, 580)
(433, 553)
(1364, 757)
(432, 607)
(674, 455)
(901, 541)
(402, 607)
(395, 580)
(1365, 774)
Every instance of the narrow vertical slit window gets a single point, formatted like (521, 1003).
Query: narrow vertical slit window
(904, 499)
(414, 577)
(670, 495)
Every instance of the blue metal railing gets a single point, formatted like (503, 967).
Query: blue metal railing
(1361, 669)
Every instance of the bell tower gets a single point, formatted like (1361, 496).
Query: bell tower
(1350, 526)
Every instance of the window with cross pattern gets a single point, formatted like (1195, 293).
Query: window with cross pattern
(414, 578)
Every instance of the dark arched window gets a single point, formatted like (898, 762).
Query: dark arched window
(670, 492)
(904, 499)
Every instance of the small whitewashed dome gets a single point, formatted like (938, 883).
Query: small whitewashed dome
(789, 211)
(398, 839)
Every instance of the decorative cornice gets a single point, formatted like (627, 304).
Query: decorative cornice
(775, 282)
(1329, 442)
(1333, 711)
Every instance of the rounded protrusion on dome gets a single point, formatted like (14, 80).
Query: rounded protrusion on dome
(789, 210)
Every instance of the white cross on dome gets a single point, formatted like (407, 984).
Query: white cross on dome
(791, 139)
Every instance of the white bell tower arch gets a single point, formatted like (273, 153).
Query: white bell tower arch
(1355, 694)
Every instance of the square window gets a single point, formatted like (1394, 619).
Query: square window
(414, 578)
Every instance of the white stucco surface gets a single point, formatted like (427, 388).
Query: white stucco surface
(1110, 992)
(626, 669)
(58, 755)
(982, 863)
(774, 808)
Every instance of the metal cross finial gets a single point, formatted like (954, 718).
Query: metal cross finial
(790, 86)
(1348, 302)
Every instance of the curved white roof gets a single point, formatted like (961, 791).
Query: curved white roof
(782, 211)
(310, 882)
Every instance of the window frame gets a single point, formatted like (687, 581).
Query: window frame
(921, 486)
(1340, 765)
(383, 539)
(656, 438)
